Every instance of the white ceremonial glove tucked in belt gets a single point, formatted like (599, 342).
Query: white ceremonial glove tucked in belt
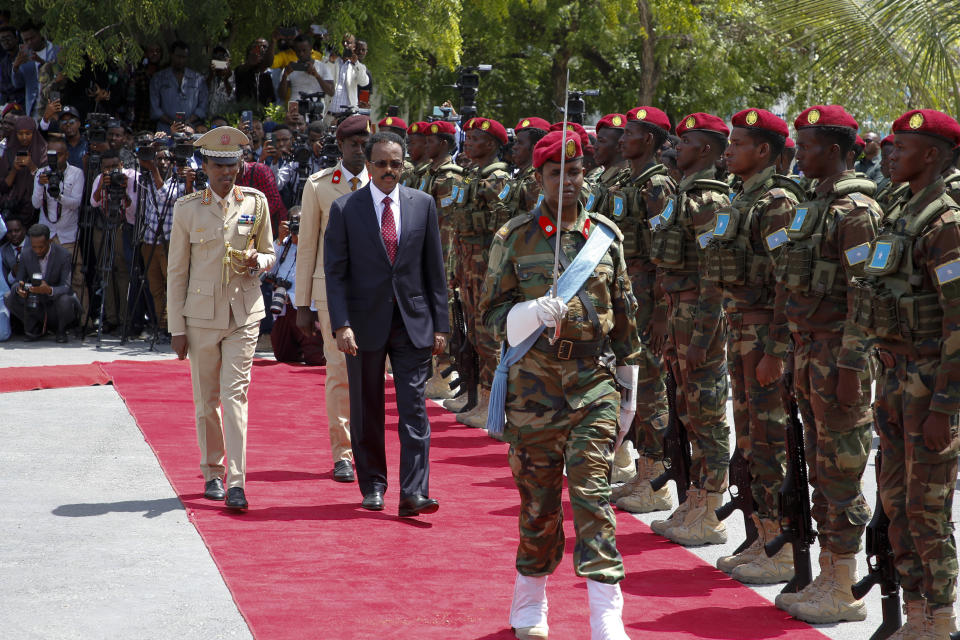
(525, 317)
(627, 377)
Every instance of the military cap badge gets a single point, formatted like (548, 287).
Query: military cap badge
(690, 123)
(414, 127)
(433, 128)
(571, 148)
(752, 118)
(485, 125)
(916, 121)
(617, 121)
(814, 116)
(389, 121)
(525, 123)
(642, 114)
(368, 127)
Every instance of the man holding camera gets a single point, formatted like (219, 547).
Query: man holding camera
(319, 193)
(351, 73)
(115, 193)
(305, 75)
(177, 93)
(42, 297)
(289, 343)
(278, 156)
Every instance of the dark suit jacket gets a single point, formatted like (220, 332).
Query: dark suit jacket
(362, 285)
(9, 259)
(59, 271)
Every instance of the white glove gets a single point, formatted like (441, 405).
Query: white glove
(526, 317)
(627, 377)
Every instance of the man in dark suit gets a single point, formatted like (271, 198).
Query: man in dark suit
(42, 296)
(387, 295)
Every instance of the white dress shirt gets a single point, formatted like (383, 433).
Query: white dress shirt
(349, 76)
(346, 176)
(71, 194)
(378, 197)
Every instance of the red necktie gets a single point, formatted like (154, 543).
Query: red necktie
(389, 230)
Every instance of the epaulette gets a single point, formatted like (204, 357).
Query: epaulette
(190, 196)
(452, 167)
(322, 173)
(513, 223)
(607, 222)
(652, 172)
(777, 192)
(248, 189)
(710, 185)
(848, 186)
(789, 185)
(490, 168)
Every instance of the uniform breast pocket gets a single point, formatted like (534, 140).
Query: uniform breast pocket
(202, 243)
(199, 302)
(534, 275)
(603, 276)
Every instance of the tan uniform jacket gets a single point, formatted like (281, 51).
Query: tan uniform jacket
(196, 292)
(321, 190)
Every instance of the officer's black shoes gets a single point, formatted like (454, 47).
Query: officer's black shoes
(343, 471)
(373, 501)
(236, 500)
(417, 505)
(213, 490)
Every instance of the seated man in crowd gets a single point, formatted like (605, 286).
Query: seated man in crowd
(42, 297)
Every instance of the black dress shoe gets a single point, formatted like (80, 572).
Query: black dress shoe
(213, 489)
(417, 505)
(373, 501)
(62, 338)
(236, 499)
(342, 471)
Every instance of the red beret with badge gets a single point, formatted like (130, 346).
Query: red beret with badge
(439, 126)
(392, 121)
(760, 119)
(532, 123)
(825, 115)
(585, 145)
(705, 122)
(492, 127)
(552, 147)
(354, 125)
(417, 128)
(929, 122)
(611, 121)
(649, 115)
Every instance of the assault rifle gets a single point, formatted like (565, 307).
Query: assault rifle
(741, 497)
(676, 447)
(795, 524)
(883, 571)
(463, 357)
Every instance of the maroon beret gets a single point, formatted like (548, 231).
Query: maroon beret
(702, 122)
(417, 128)
(392, 121)
(887, 140)
(649, 115)
(760, 119)
(492, 127)
(825, 115)
(532, 123)
(790, 144)
(929, 122)
(585, 145)
(612, 121)
(551, 147)
(355, 124)
(439, 126)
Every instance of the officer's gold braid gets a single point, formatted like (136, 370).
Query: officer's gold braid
(235, 258)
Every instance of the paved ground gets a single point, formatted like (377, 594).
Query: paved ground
(97, 545)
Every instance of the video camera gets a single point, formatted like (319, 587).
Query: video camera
(468, 83)
(182, 149)
(55, 179)
(96, 127)
(145, 150)
(576, 106)
(311, 105)
(116, 191)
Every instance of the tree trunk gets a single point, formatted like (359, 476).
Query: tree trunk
(558, 79)
(649, 73)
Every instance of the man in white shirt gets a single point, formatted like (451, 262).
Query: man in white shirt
(306, 75)
(351, 74)
(62, 213)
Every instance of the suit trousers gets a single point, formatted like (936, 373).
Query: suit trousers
(220, 363)
(77, 283)
(411, 368)
(52, 313)
(336, 392)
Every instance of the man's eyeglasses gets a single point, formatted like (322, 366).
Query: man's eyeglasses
(383, 164)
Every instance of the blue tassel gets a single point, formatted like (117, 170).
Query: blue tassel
(496, 414)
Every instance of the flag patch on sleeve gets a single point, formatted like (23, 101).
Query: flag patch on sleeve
(857, 254)
(777, 238)
(948, 271)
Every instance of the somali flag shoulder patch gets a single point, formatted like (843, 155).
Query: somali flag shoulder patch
(590, 201)
(667, 212)
(777, 238)
(618, 206)
(881, 255)
(797, 223)
(654, 222)
(857, 254)
(704, 238)
(504, 192)
(948, 271)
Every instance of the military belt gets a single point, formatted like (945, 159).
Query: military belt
(683, 296)
(737, 319)
(818, 336)
(570, 349)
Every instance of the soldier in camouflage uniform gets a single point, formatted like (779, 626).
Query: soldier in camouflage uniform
(612, 167)
(889, 192)
(785, 159)
(909, 302)
(631, 203)
(829, 239)
(415, 171)
(739, 258)
(479, 214)
(522, 193)
(563, 401)
(443, 181)
(694, 327)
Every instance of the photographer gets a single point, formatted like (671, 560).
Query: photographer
(25, 153)
(221, 83)
(115, 193)
(316, 135)
(254, 82)
(306, 75)
(351, 74)
(42, 297)
(117, 139)
(58, 193)
(277, 155)
(289, 343)
(177, 90)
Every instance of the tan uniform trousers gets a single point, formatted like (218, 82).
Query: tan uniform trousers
(220, 363)
(337, 393)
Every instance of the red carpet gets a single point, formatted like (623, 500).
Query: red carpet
(52, 377)
(307, 562)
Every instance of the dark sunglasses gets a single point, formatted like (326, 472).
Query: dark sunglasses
(383, 164)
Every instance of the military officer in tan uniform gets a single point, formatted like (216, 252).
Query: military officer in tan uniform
(321, 190)
(221, 239)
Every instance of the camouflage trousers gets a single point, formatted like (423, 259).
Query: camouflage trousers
(837, 443)
(917, 483)
(701, 398)
(471, 270)
(759, 414)
(650, 422)
(541, 441)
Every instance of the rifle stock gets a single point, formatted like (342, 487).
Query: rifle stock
(741, 497)
(462, 355)
(676, 447)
